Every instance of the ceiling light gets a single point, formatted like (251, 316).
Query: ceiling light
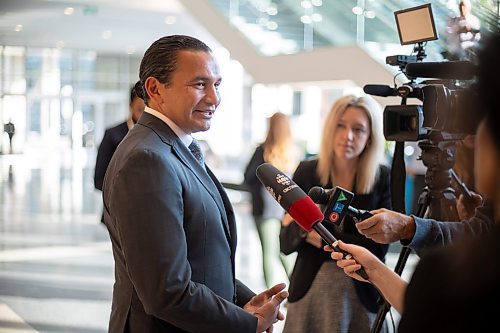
(271, 25)
(317, 3)
(69, 10)
(369, 14)
(306, 19)
(107, 34)
(306, 4)
(170, 19)
(357, 10)
(18, 27)
(272, 10)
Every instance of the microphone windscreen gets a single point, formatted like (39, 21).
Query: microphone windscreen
(319, 195)
(452, 70)
(290, 196)
(379, 90)
(306, 213)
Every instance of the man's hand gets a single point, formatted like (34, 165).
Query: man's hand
(466, 208)
(387, 226)
(265, 306)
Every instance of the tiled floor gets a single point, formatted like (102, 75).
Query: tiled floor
(56, 266)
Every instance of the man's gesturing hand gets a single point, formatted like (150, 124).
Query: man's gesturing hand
(265, 306)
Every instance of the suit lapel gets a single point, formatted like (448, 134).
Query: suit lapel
(205, 176)
(230, 221)
(210, 182)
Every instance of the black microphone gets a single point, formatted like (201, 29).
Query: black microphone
(381, 90)
(300, 206)
(453, 70)
(338, 204)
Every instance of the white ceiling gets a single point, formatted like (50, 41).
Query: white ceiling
(134, 24)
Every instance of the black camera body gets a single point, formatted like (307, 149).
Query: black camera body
(452, 111)
(448, 106)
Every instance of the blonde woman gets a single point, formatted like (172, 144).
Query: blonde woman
(280, 150)
(322, 298)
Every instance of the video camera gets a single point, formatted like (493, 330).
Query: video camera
(448, 107)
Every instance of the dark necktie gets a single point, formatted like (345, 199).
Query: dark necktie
(195, 149)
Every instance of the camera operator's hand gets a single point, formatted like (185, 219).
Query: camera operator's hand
(387, 226)
(466, 208)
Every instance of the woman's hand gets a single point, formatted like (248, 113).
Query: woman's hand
(361, 257)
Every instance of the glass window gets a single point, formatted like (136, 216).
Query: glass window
(34, 117)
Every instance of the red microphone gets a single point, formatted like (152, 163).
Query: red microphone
(299, 205)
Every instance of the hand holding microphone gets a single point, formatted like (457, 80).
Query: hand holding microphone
(300, 206)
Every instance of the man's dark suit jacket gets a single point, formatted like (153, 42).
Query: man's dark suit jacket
(173, 234)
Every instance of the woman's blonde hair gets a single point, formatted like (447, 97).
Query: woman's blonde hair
(371, 157)
(279, 148)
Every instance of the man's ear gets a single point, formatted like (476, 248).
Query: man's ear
(152, 89)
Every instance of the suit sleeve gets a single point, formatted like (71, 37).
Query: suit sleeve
(152, 219)
(243, 294)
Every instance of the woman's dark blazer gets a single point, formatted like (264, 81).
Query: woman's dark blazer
(310, 258)
(253, 183)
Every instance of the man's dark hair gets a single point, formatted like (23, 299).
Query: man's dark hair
(160, 59)
(489, 83)
(133, 94)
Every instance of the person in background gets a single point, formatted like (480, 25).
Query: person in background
(171, 224)
(113, 136)
(280, 150)
(453, 288)
(351, 156)
(10, 129)
(463, 33)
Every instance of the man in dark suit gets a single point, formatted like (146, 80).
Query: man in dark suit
(113, 136)
(171, 224)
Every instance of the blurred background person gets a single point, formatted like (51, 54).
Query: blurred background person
(463, 33)
(280, 150)
(113, 136)
(351, 155)
(10, 129)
